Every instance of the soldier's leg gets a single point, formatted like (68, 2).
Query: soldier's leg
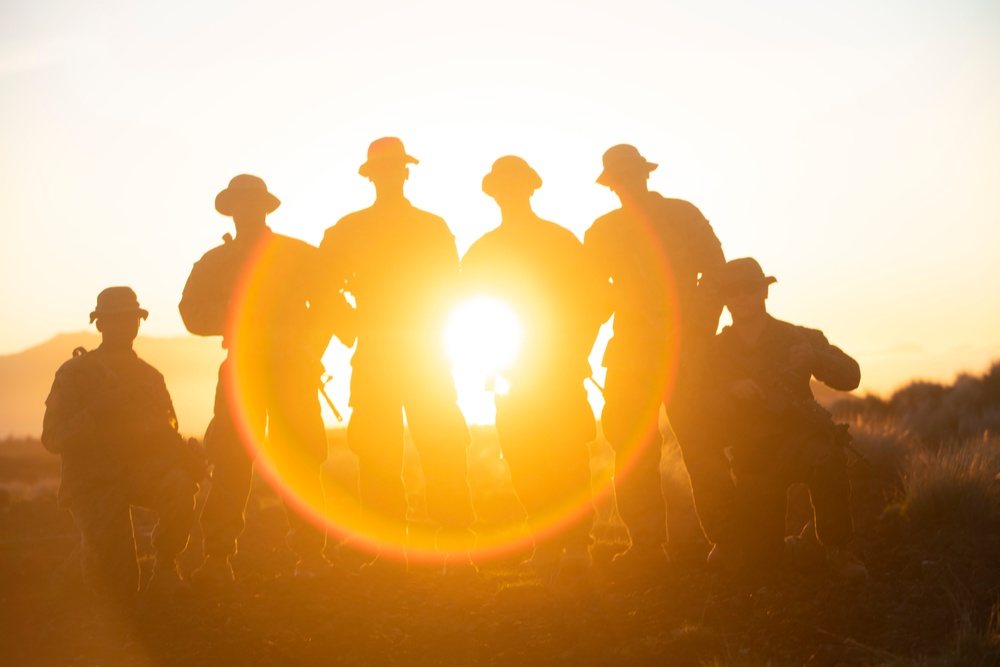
(824, 470)
(170, 492)
(712, 485)
(527, 453)
(631, 425)
(550, 462)
(441, 436)
(298, 446)
(762, 499)
(375, 435)
(108, 543)
(222, 519)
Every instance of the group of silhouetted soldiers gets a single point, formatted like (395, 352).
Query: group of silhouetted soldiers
(739, 402)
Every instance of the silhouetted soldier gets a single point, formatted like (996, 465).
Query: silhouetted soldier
(759, 398)
(654, 249)
(111, 419)
(544, 421)
(401, 265)
(259, 292)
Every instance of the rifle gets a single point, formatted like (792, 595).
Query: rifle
(323, 381)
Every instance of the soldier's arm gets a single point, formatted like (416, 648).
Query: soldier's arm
(442, 253)
(474, 275)
(205, 300)
(330, 312)
(162, 400)
(829, 364)
(599, 271)
(710, 261)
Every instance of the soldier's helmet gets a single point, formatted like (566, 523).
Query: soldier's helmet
(744, 272)
(385, 152)
(117, 301)
(621, 162)
(246, 190)
(511, 173)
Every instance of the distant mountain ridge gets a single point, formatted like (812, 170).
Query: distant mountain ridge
(189, 365)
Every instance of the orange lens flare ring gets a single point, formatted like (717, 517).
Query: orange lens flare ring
(248, 398)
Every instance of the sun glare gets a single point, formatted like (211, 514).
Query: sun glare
(482, 337)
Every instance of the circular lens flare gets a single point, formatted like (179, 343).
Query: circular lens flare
(483, 336)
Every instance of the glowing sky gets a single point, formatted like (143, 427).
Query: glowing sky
(852, 147)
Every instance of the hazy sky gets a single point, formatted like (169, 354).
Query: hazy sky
(852, 147)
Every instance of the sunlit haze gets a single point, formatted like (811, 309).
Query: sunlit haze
(853, 148)
(482, 337)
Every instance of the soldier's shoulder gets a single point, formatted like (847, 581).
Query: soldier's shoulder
(428, 218)
(217, 253)
(147, 367)
(348, 227)
(680, 208)
(294, 244)
(84, 363)
(78, 363)
(604, 224)
(725, 334)
(354, 218)
(485, 242)
(797, 331)
(558, 232)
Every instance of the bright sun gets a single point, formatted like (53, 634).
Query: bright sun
(482, 337)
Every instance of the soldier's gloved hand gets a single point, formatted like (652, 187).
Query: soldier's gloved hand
(803, 357)
(746, 390)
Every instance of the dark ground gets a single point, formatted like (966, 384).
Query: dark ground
(926, 592)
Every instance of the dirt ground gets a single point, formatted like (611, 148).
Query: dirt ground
(925, 590)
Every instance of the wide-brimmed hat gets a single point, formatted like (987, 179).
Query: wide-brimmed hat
(246, 188)
(510, 171)
(117, 301)
(622, 160)
(387, 151)
(744, 271)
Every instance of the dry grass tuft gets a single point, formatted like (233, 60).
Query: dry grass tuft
(957, 487)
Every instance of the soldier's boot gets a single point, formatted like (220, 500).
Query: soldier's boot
(724, 558)
(388, 565)
(456, 544)
(574, 567)
(643, 559)
(166, 579)
(804, 550)
(458, 564)
(216, 571)
(313, 566)
(844, 565)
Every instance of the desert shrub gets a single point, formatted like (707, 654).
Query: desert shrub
(957, 486)
(972, 646)
(886, 444)
(933, 413)
(869, 408)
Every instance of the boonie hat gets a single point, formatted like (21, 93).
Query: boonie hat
(744, 271)
(510, 170)
(116, 301)
(385, 151)
(246, 188)
(623, 159)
